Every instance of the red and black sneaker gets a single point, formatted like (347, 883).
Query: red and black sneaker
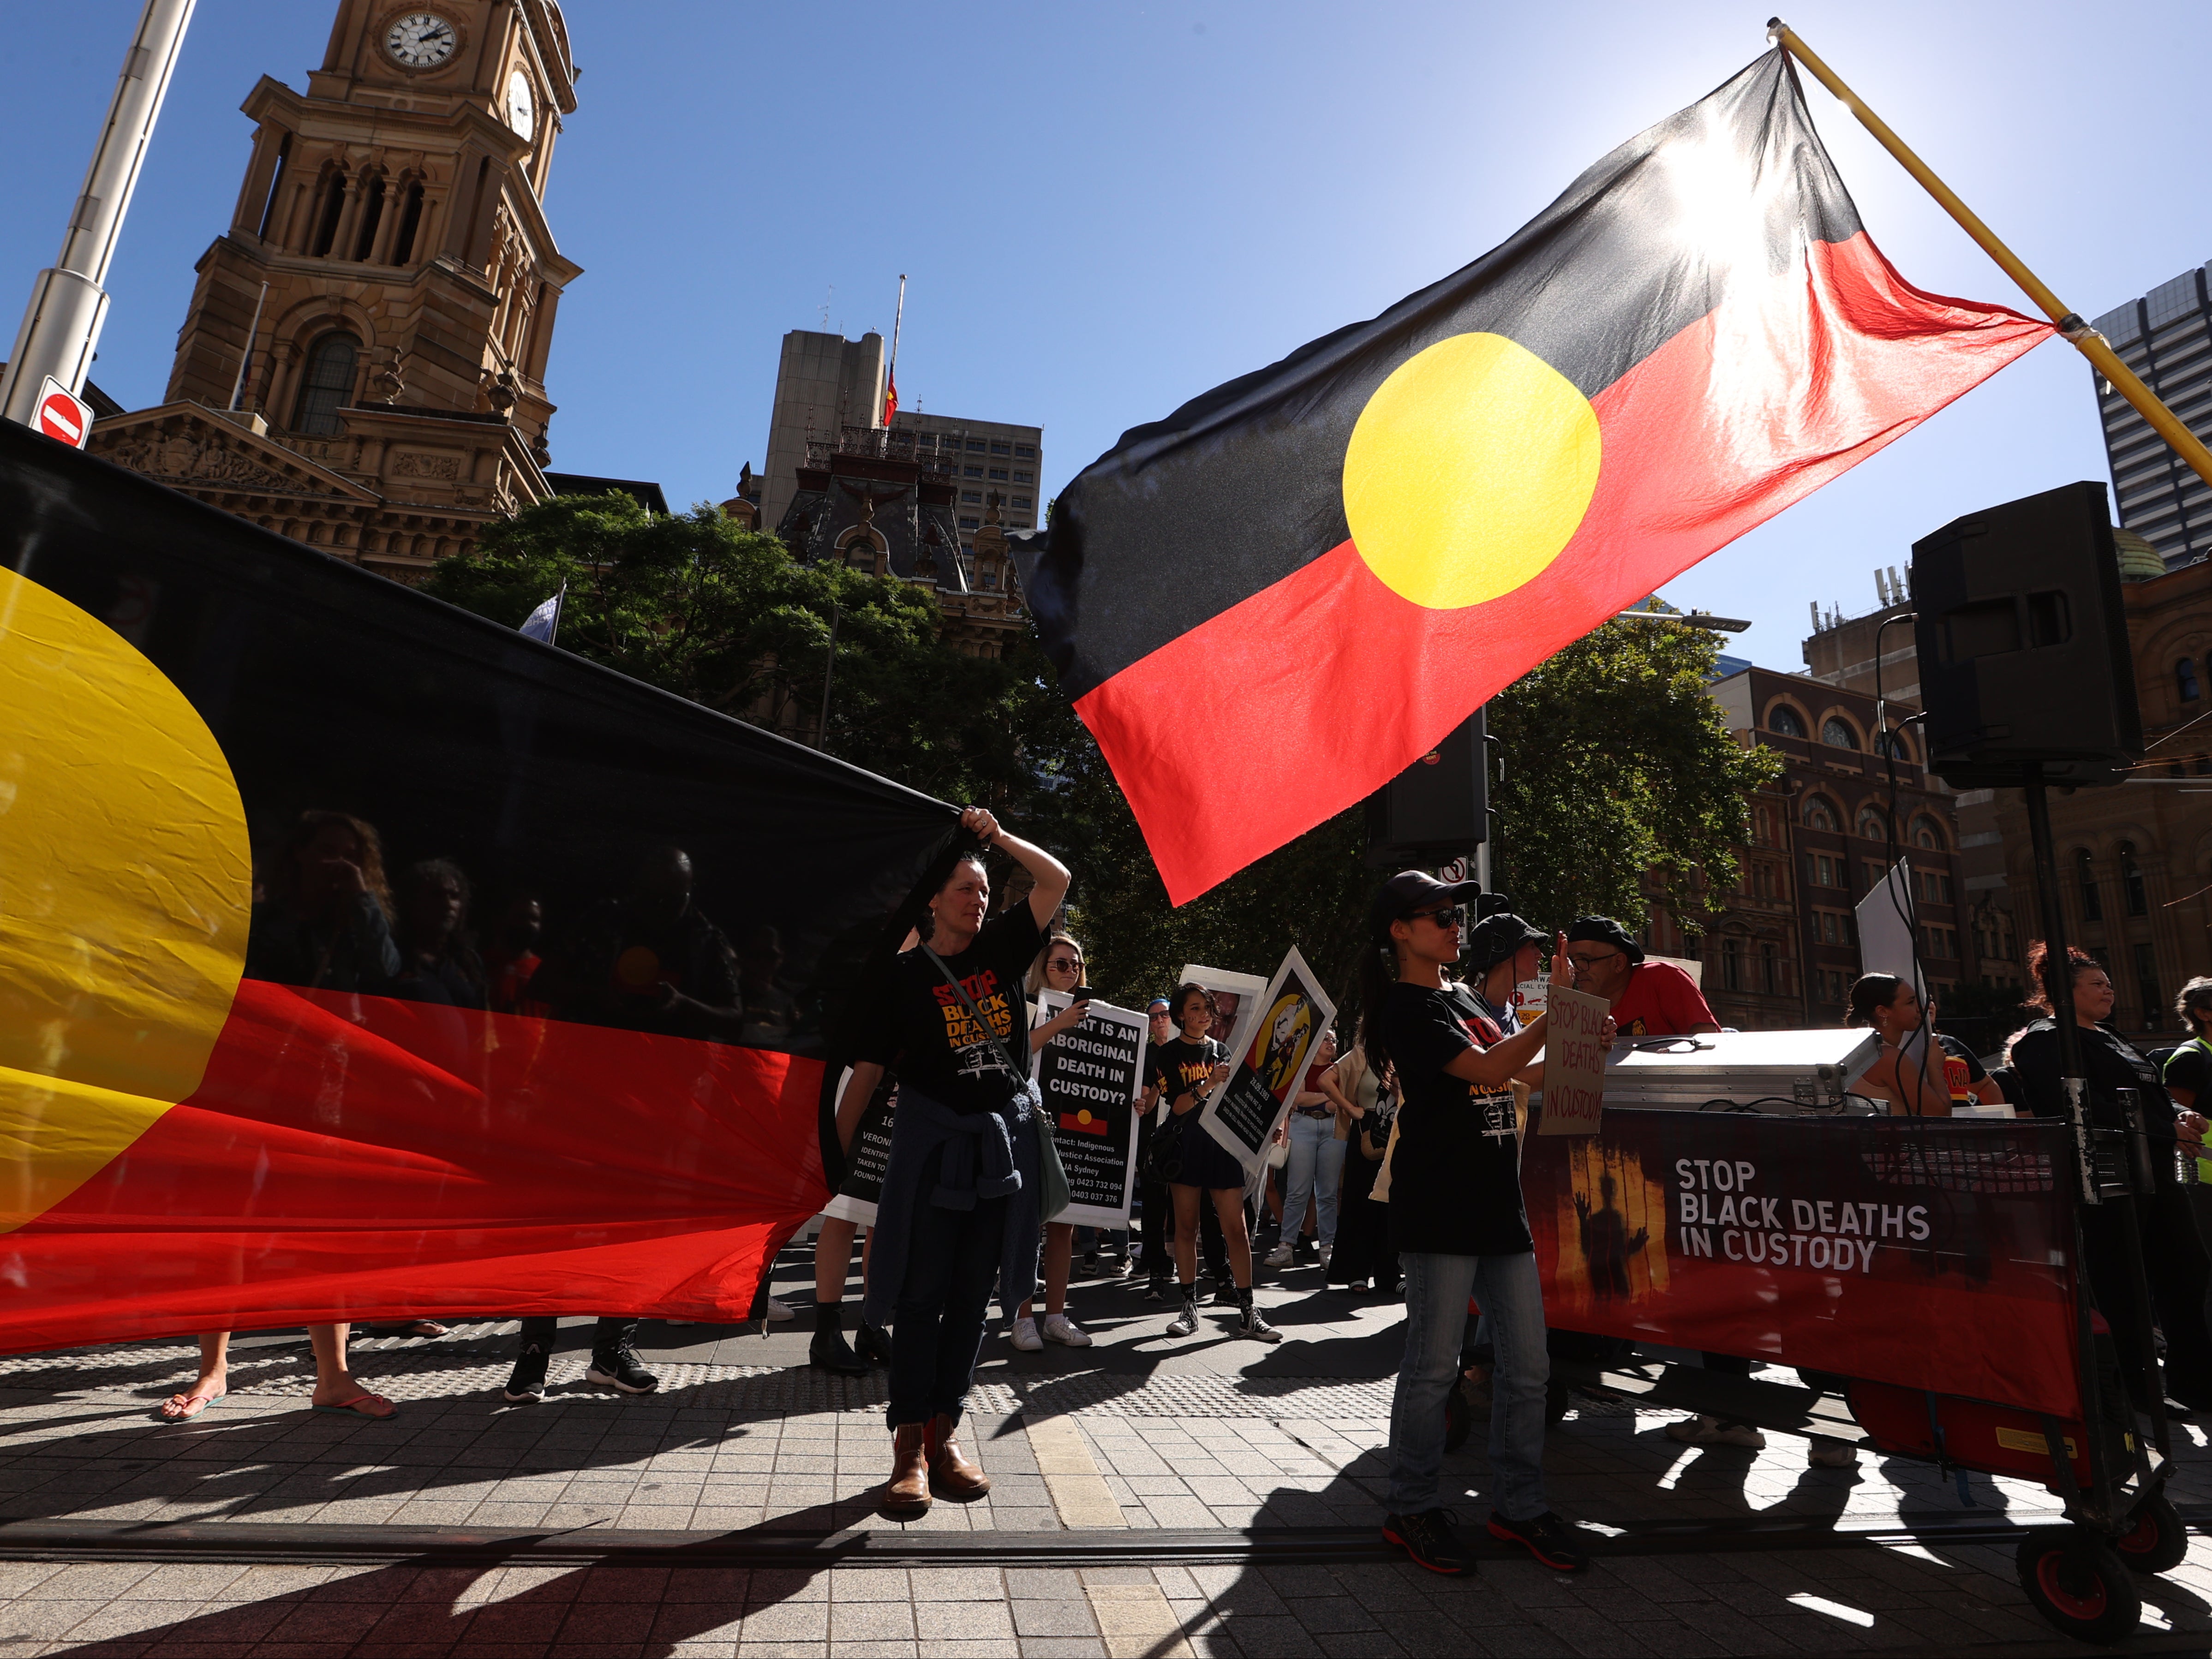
(1429, 1540)
(1549, 1539)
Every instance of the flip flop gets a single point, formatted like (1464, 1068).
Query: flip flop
(425, 1328)
(351, 1407)
(194, 1405)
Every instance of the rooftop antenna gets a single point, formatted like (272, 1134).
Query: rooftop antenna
(1881, 587)
(1815, 606)
(1896, 587)
(826, 293)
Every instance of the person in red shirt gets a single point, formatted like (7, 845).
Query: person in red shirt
(1649, 998)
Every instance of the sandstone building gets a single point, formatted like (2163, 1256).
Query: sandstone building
(389, 380)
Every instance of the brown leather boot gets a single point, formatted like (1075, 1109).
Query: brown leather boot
(907, 1492)
(953, 1474)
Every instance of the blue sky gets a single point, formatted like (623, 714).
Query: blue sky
(1106, 209)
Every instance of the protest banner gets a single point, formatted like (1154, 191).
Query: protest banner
(233, 1108)
(1833, 1244)
(1091, 1077)
(862, 1186)
(1269, 1065)
(1574, 1061)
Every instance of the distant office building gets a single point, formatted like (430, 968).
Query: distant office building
(824, 383)
(2166, 338)
(983, 456)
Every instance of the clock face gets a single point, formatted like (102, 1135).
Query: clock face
(421, 40)
(519, 107)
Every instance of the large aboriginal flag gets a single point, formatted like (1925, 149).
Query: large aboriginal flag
(249, 1076)
(1337, 558)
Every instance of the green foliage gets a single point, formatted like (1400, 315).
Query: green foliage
(1616, 761)
(1616, 764)
(698, 605)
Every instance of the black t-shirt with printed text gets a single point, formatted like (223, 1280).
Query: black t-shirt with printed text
(1181, 1067)
(1455, 1177)
(922, 1029)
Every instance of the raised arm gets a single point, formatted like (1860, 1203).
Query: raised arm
(1049, 874)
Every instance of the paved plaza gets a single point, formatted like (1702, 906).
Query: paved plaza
(1151, 1498)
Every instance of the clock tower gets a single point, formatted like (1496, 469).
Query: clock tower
(362, 364)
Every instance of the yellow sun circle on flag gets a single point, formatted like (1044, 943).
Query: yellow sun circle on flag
(1082, 1117)
(129, 888)
(1468, 470)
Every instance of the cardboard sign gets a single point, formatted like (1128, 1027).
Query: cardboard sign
(1574, 1062)
(1886, 941)
(1268, 1066)
(1090, 1077)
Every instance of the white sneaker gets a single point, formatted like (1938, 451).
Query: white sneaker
(1025, 1336)
(1327, 1251)
(1822, 1453)
(777, 1313)
(1059, 1327)
(1280, 1256)
(1185, 1321)
(1709, 1431)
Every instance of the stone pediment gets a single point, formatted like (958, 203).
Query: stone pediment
(190, 447)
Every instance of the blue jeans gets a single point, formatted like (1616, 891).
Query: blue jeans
(1315, 1171)
(1512, 1296)
(952, 1262)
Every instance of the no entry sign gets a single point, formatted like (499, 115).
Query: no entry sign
(62, 415)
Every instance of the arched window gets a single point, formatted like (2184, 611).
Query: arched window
(326, 219)
(1897, 747)
(410, 220)
(2131, 881)
(1764, 830)
(1784, 722)
(1837, 733)
(2085, 872)
(1820, 813)
(1873, 826)
(372, 216)
(2184, 680)
(1927, 833)
(327, 386)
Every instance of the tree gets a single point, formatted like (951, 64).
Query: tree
(1622, 782)
(698, 605)
(1617, 762)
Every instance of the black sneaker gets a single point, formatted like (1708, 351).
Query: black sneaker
(830, 1352)
(527, 1380)
(873, 1342)
(1254, 1325)
(1549, 1539)
(1091, 1263)
(1429, 1542)
(1156, 1290)
(620, 1370)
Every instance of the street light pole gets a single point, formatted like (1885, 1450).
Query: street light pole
(61, 326)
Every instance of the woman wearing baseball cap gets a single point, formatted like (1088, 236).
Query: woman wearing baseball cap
(1459, 1224)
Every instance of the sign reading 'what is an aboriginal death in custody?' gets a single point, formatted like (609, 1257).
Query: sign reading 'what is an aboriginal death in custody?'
(1269, 1065)
(1090, 1077)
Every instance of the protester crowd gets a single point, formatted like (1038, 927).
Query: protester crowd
(1394, 1168)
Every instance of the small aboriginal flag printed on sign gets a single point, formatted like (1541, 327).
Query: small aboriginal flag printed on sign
(1342, 556)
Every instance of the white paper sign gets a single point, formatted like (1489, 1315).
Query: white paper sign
(1091, 1077)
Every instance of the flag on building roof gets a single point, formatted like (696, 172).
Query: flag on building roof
(1339, 557)
(251, 1071)
(543, 624)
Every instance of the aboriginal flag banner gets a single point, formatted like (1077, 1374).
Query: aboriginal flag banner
(1340, 556)
(360, 958)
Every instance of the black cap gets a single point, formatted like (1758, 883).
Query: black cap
(1604, 930)
(1416, 890)
(1494, 938)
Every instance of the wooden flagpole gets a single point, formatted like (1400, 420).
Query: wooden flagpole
(2083, 338)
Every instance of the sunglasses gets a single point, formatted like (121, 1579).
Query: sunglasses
(1065, 964)
(1590, 959)
(1448, 915)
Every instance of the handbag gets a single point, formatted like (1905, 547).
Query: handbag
(1164, 1152)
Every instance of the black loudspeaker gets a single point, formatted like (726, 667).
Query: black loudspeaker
(2023, 644)
(1437, 808)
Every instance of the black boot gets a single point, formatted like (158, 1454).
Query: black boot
(831, 1352)
(873, 1342)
